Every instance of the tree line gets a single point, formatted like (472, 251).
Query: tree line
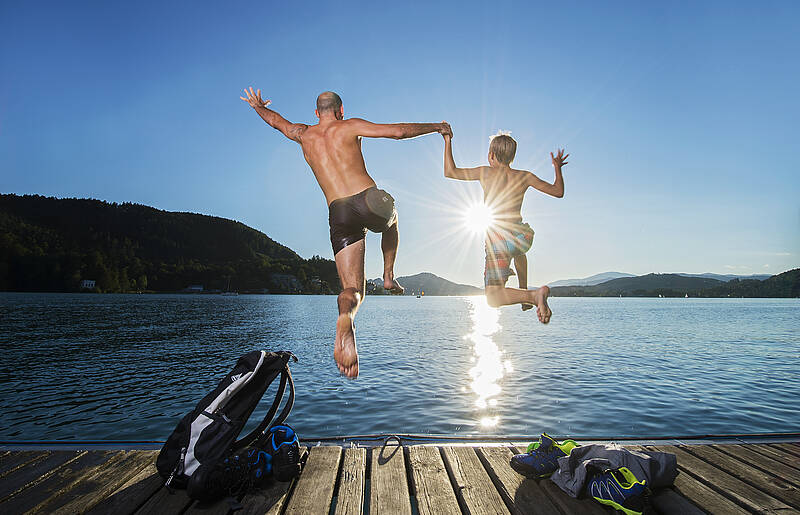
(50, 244)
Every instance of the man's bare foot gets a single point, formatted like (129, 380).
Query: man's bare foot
(542, 309)
(344, 350)
(391, 285)
(527, 305)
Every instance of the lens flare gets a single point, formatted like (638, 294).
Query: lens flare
(478, 217)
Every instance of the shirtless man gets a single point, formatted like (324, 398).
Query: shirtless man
(332, 148)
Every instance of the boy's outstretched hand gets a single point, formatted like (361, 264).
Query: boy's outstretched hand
(254, 98)
(560, 159)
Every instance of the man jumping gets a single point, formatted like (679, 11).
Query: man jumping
(332, 148)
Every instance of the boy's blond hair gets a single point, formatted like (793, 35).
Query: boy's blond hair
(503, 147)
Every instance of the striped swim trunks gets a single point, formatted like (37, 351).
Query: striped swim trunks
(503, 244)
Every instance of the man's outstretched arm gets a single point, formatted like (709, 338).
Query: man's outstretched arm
(293, 131)
(395, 130)
(451, 171)
(557, 188)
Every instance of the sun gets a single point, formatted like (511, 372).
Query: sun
(478, 217)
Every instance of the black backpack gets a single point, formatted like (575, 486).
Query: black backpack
(209, 432)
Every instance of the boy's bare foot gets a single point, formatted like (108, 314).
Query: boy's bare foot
(344, 350)
(527, 305)
(391, 285)
(542, 309)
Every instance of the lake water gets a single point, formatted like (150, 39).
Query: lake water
(127, 367)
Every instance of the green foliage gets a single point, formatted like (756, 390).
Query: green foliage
(49, 244)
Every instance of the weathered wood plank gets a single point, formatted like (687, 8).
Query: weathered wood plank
(474, 487)
(742, 493)
(667, 501)
(765, 463)
(788, 447)
(701, 495)
(776, 487)
(388, 493)
(687, 493)
(432, 487)
(564, 502)
(34, 472)
(267, 500)
(350, 500)
(19, 459)
(165, 502)
(217, 507)
(314, 490)
(777, 454)
(131, 495)
(58, 481)
(522, 496)
(89, 490)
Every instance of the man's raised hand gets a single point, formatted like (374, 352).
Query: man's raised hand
(560, 159)
(254, 98)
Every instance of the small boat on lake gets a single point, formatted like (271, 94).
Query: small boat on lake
(228, 292)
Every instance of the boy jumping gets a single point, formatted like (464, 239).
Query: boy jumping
(507, 238)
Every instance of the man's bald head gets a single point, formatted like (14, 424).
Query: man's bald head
(329, 101)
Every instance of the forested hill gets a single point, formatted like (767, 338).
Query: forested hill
(50, 244)
(786, 284)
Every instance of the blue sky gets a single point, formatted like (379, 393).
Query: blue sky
(681, 121)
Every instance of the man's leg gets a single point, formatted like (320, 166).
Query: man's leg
(350, 266)
(521, 266)
(389, 241)
(498, 296)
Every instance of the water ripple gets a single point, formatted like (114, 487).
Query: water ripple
(129, 366)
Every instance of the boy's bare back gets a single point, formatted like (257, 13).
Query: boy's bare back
(504, 190)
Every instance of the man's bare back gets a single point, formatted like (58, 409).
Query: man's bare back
(332, 148)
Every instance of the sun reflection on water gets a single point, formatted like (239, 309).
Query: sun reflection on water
(490, 366)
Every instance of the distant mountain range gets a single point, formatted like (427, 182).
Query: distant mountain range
(607, 276)
(786, 284)
(49, 244)
(729, 277)
(591, 280)
(626, 285)
(428, 284)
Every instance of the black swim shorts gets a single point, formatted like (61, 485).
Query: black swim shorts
(350, 217)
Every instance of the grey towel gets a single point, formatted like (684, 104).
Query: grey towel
(657, 468)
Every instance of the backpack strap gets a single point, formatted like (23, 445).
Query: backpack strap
(255, 434)
(286, 374)
(262, 439)
(289, 403)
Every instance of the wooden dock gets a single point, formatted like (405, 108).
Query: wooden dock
(419, 479)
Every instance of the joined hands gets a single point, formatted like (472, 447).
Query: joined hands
(446, 131)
